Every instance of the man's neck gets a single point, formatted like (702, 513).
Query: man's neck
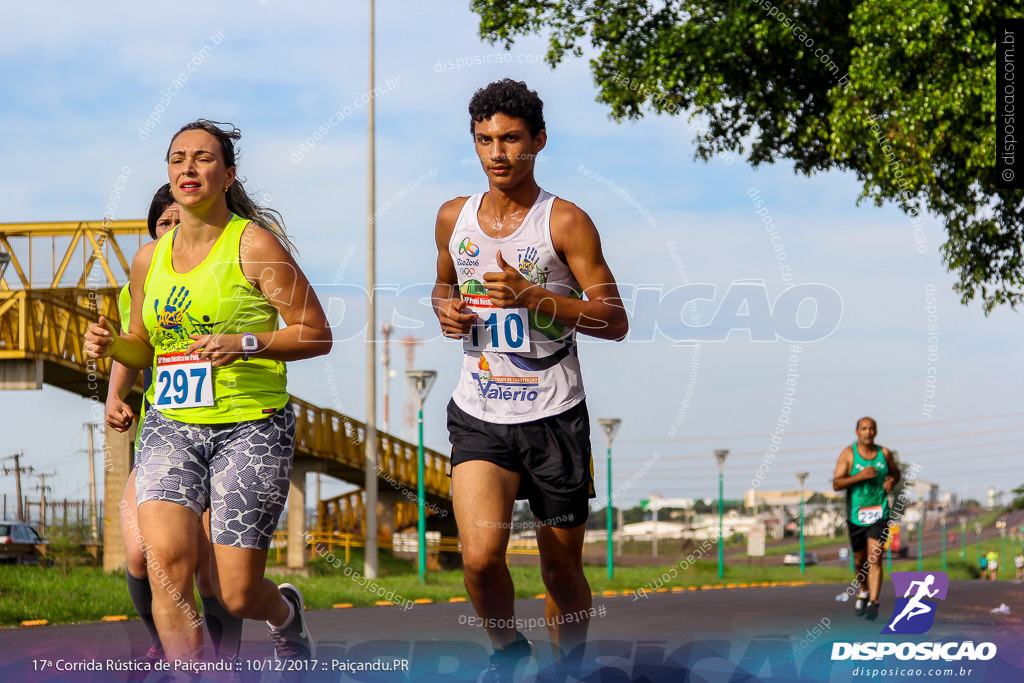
(502, 202)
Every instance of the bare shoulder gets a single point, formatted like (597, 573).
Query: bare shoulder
(450, 210)
(260, 245)
(144, 256)
(447, 215)
(566, 215)
(846, 454)
(571, 226)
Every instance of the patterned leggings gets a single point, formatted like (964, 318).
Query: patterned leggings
(240, 471)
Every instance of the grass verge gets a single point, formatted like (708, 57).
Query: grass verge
(89, 594)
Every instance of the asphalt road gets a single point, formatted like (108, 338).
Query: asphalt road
(780, 633)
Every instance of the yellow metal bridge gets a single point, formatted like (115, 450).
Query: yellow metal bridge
(59, 277)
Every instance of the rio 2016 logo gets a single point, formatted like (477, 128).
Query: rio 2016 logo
(916, 592)
(468, 248)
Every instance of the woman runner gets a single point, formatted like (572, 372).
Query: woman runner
(225, 629)
(205, 307)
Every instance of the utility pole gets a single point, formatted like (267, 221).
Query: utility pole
(411, 343)
(92, 486)
(42, 487)
(18, 469)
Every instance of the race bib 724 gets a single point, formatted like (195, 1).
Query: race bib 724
(869, 514)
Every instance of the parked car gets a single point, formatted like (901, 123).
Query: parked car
(20, 543)
(794, 558)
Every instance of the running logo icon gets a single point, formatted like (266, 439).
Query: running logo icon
(914, 612)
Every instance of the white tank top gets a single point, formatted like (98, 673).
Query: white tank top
(501, 382)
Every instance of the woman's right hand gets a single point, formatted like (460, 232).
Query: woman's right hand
(99, 339)
(119, 414)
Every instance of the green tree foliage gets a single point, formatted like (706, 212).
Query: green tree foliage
(901, 92)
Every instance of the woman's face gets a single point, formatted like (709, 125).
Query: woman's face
(168, 219)
(196, 168)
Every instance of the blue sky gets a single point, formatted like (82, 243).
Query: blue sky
(80, 81)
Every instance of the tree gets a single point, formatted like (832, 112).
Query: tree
(1018, 498)
(901, 92)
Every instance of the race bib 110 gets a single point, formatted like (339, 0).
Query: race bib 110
(182, 381)
(504, 330)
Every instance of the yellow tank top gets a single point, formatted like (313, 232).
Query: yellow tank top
(212, 298)
(124, 307)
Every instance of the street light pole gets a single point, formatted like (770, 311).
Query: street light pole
(963, 539)
(1001, 524)
(720, 455)
(977, 538)
(920, 542)
(610, 425)
(802, 477)
(370, 561)
(93, 519)
(421, 381)
(942, 521)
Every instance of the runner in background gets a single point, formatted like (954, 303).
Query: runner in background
(993, 564)
(867, 472)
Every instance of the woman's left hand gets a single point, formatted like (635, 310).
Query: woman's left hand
(219, 349)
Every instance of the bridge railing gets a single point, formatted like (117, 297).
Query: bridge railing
(328, 434)
(50, 323)
(326, 543)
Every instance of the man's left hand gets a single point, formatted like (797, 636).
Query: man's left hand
(507, 288)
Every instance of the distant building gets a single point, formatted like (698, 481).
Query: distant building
(923, 491)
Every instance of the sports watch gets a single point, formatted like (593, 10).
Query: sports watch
(250, 344)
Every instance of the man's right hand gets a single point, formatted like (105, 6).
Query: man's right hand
(867, 473)
(119, 414)
(455, 322)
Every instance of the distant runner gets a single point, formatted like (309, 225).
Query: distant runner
(867, 473)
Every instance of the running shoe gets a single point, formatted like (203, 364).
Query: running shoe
(145, 663)
(512, 662)
(860, 605)
(871, 611)
(293, 641)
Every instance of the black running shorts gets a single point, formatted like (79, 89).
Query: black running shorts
(552, 455)
(859, 535)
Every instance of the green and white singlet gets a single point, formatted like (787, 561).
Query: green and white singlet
(212, 298)
(518, 365)
(866, 501)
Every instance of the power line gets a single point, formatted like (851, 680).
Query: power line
(817, 432)
(904, 455)
(903, 447)
(797, 463)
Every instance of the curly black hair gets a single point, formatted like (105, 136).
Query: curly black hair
(508, 97)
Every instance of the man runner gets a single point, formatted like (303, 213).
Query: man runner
(868, 473)
(519, 272)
